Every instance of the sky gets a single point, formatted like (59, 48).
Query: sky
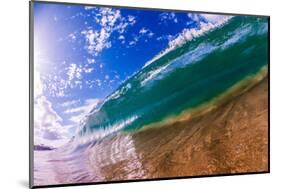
(83, 53)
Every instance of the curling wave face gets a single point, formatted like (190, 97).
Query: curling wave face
(192, 73)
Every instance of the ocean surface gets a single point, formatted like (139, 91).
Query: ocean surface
(203, 66)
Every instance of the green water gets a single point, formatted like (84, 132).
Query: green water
(184, 78)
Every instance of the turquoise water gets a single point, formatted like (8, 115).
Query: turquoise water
(184, 78)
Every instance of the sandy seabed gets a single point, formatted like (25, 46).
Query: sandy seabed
(230, 139)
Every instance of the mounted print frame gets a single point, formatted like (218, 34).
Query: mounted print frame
(125, 94)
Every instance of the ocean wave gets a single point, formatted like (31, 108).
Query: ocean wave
(185, 77)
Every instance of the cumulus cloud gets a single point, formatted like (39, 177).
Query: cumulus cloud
(124, 23)
(96, 40)
(195, 17)
(70, 103)
(72, 36)
(89, 8)
(109, 20)
(91, 61)
(144, 33)
(165, 37)
(88, 70)
(79, 112)
(143, 30)
(74, 71)
(47, 124)
(134, 41)
(168, 16)
(121, 37)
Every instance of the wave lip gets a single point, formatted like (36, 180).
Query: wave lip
(189, 34)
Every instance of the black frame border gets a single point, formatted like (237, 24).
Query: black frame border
(31, 95)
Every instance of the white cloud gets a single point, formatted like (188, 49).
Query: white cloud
(165, 37)
(89, 8)
(150, 34)
(74, 71)
(77, 118)
(56, 84)
(91, 61)
(86, 107)
(133, 42)
(143, 30)
(143, 33)
(131, 19)
(98, 40)
(72, 36)
(110, 20)
(70, 103)
(82, 111)
(168, 16)
(47, 124)
(93, 83)
(124, 23)
(195, 17)
(71, 71)
(98, 82)
(121, 37)
(88, 70)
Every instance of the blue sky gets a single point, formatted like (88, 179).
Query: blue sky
(81, 54)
